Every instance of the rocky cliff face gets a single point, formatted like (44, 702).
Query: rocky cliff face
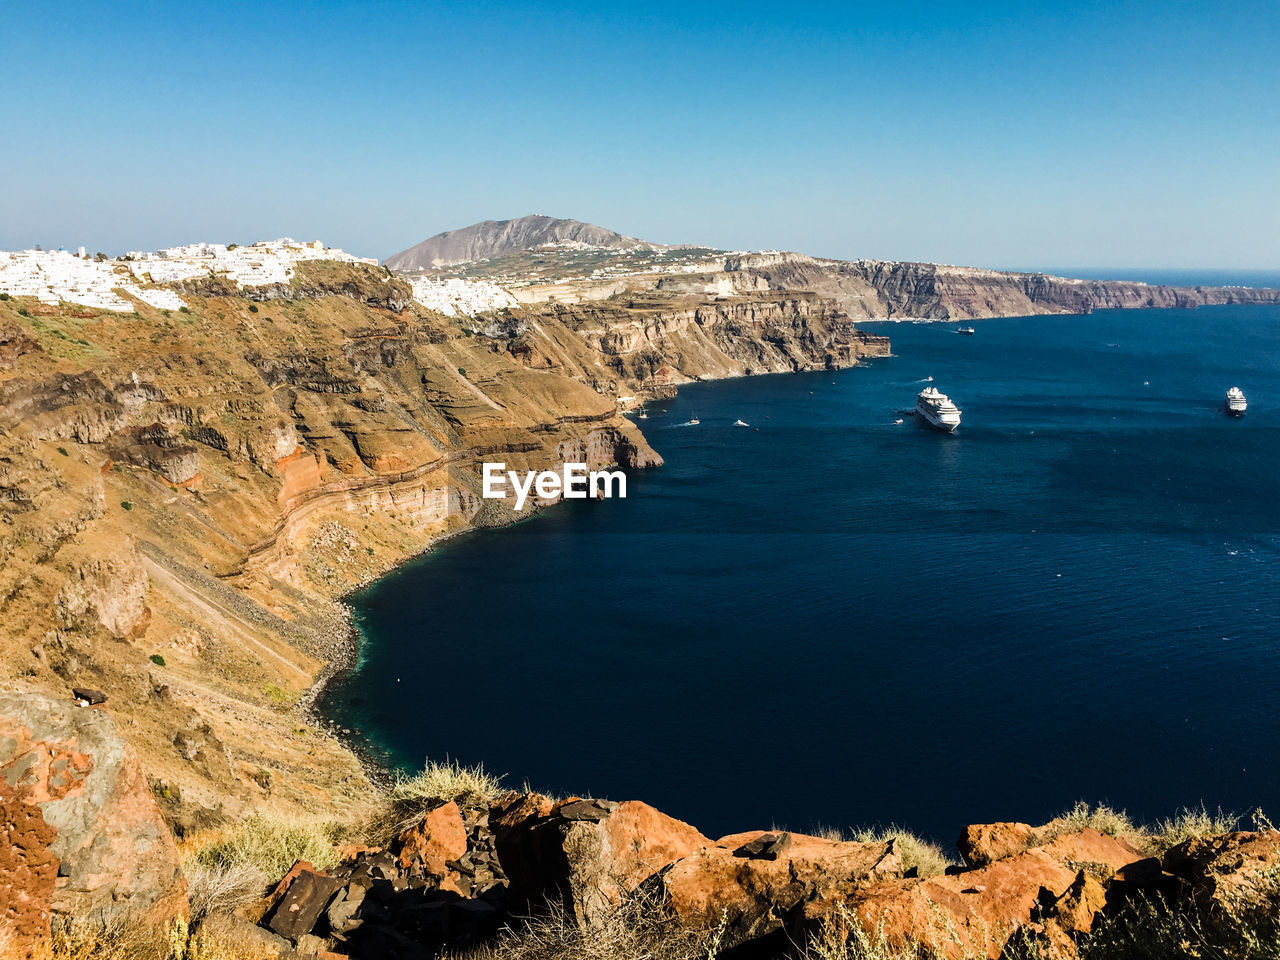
(876, 289)
(186, 493)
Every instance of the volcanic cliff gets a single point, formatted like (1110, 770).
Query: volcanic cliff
(186, 493)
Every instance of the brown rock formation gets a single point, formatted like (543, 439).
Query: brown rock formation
(438, 838)
(751, 881)
(1222, 871)
(115, 852)
(979, 910)
(589, 853)
(983, 843)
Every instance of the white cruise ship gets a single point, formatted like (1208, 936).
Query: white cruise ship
(1236, 404)
(937, 410)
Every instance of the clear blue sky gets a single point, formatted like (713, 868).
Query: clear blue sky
(1001, 134)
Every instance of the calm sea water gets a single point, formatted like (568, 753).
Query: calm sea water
(835, 619)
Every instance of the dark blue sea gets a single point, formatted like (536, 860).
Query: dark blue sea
(833, 618)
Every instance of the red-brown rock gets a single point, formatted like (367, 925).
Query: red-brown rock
(984, 843)
(1223, 871)
(978, 910)
(750, 880)
(117, 857)
(513, 809)
(440, 836)
(587, 854)
(28, 872)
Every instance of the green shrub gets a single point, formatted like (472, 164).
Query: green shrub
(253, 308)
(24, 312)
(156, 659)
(463, 371)
(126, 504)
(4, 296)
(63, 451)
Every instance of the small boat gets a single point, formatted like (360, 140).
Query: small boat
(967, 331)
(693, 423)
(1235, 403)
(643, 415)
(739, 423)
(899, 420)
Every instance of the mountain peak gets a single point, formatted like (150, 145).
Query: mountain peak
(498, 238)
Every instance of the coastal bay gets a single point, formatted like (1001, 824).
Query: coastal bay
(886, 624)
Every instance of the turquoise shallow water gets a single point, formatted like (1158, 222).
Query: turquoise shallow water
(836, 619)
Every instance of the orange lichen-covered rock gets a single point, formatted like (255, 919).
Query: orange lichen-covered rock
(28, 873)
(117, 857)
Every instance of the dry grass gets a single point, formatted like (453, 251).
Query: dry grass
(449, 780)
(1113, 823)
(1245, 927)
(412, 796)
(1187, 824)
(267, 843)
(842, 936)
(924, 856)
(639, 929)
(117, 939)
(222, 887)
(1153, 839)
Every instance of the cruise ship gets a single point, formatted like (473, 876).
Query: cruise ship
(937, 410)
(1236, 404)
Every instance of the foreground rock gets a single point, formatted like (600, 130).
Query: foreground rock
(749, 882)
(977, 911)
(76, 801)
(465, 870)
(588, 854)
(1223, 873)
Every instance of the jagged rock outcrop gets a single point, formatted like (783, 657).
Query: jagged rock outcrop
(878, 289)
(749, 883)
(115, 855)
(978, 910)
(756, 894)
(587, 854)
(108, 592)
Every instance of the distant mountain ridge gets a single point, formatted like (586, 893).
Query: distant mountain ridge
(498, 238)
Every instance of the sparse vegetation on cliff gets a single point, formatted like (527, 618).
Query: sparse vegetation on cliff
(270, 843)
